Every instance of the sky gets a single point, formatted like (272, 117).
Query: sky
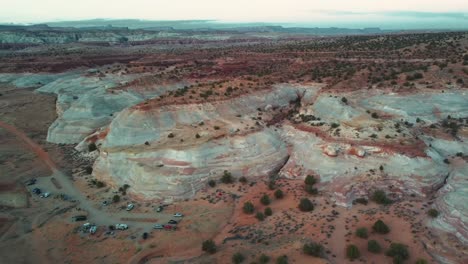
(324, 13)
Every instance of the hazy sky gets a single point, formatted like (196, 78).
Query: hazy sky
(453, 13)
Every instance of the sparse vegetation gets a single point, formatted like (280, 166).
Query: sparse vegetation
(352, 252)
(212, 183)
(380, 197)
(116, 198)
(92, 147)
(362, 232)
(373, 246)
(248, 208)
(260, 216)
(209, 246)
(279, 194)
(238, 258)
(306, 205)
(313, 249)
(399, 252)
(380, 227)
(282, 260)
(268, 211)
(263, 259)
(265, 200)
(227, 177)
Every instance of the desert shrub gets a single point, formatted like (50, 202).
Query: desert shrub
(360, 201)
(306, 205)
(268, 211)
(92, 147)
(380, 227)
(310, 189)
(433, 213)
(334, 125)
(265, 200)
(373, 246)
(263, 259)
(237, 258)
(209, 246)
(100, 184)
(243, 179)
(380, 197)
(227, 177)
(310, 180)
(282, 260)
(216, 127)
(279, 194)
(171, 135)
(421, 261)
(362, 232)
(260, 216)
(248, 208)
(212, 183)
(398, 251)
(116, 198)
(313, 249)
(145, 235)
(352, 252)
(271, 185)
(344, 100)
(197, 135)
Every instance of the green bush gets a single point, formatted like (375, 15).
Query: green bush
(100, 184)
(237, 258)
(433, 213)
(380, 227)
(116, 198)
(380, 197)
(248, 208)
(398, 251)
(282, 260)
(263, 259)
(209, 246)
(271, 185)
(310, 189)
(373, 246)
(306, 205)
(265, 200)
(279, 194)
(352, 252)
(310, 180)
(227, 177)
(243, 179)
(268, 211)
(361, 232)
(212, 183)
(421, 261)
(260, 216)
(313, 249)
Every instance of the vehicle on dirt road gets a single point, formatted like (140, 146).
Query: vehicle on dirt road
(173, 222)
(178, 215)
(121, 226)
(80, 218)
(36, 191)
(130, 207)
(159, 209)
(45, 195)
(158, 226)
(170, 227)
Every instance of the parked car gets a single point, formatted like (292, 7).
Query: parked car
(105, 203)
(121, 226)
(80, 218)
(31, 182)
(173, 222)
(36, 191)
(130, 207)
(170, 227)
(159, 209)
(158, 226)
(45, 195)
(93, 229)
(178, 215)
